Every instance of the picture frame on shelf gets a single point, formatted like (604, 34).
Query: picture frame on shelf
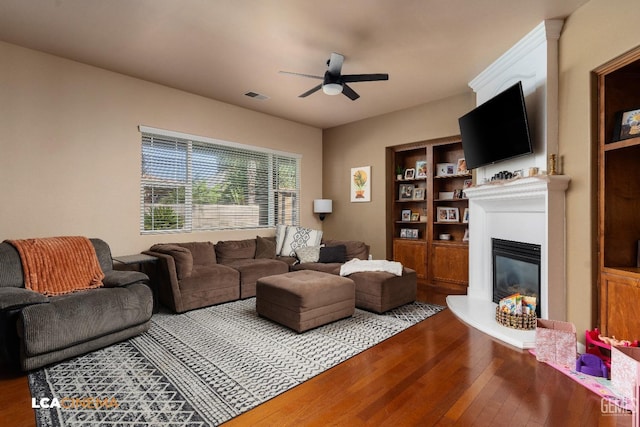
(465, 238)
(421, 169)
(405, 215)
(413, 233)
(465, 216)
(468, 183)
(461, 167)
(405, 192)
(418, 193)
(403, 233)
(410, 173)
(627, 124)
(446, 195)
(415, 216)
(445, 169)
(447, 214)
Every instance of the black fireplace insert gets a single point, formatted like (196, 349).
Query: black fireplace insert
(516, 269)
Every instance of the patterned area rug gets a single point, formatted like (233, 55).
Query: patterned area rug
(203, 367)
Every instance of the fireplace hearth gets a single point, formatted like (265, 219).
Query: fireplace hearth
(516, 269)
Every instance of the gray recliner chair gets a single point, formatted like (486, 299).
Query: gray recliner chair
(37, 330)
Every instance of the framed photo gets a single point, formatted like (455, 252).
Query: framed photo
(403, 233)
(465, 216)
(445, 169)
(627, 124)
(410, 173)
(448, 214)
(413, 233)
(418, 193)
(415, 216)
(468, 183)
(405, 192)
(466, 235)
(461, 167)
(421, 169)
(361, 184)
(406, 215)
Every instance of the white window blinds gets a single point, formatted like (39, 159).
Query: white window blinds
(195, 184)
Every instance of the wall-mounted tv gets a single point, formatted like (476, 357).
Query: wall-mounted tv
(496, 130)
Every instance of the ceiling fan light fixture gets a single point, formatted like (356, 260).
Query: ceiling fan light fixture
(332, 88)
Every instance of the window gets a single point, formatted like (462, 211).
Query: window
(196, 184)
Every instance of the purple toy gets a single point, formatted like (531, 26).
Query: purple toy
(591, 365)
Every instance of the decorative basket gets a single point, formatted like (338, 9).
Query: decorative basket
(516, 321)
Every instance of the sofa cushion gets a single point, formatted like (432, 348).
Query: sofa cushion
(330, 254)
(253, 269)
(309, 253)
(298, 237)
(355, 248)
(228, 251)
(181, 255)
(265, 247)
(202, 252)
(81, 316)
(210, 276)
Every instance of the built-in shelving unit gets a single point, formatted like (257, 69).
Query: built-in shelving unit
(618, 88)
(416, 234)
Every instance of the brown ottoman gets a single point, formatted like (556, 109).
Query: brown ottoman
(378, 291)
(302, 300)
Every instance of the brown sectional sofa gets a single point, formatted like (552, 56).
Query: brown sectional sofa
(229, 270)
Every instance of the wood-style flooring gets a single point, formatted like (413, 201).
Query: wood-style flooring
(439, 372)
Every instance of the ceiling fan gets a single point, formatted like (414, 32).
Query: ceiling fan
(334, 83)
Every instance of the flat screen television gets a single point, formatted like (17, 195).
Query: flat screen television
(496, 130)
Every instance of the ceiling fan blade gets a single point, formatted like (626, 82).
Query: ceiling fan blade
(335, 64)
(351, 78)
(301, 75)
(310, 91)
(349, 93)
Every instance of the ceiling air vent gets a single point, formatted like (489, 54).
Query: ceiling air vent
(257, 96)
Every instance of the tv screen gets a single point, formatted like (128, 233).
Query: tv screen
(496, 130)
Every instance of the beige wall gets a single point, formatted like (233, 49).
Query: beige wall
(70, 148)
(593, 35)
(363, 143)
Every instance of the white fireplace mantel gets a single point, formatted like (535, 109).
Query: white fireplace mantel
(530, 210)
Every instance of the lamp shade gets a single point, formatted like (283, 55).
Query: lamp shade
(322, 206)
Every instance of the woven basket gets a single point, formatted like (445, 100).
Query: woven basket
(516, 321)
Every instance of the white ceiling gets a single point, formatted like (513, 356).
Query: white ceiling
(222, 49)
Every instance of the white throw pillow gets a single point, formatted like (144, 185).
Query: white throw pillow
(299, 237)
(308, 254)
(281, 232)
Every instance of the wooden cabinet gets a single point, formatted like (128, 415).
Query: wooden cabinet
(450, 267)
(618, 87)
(412, 254)
(415, 200)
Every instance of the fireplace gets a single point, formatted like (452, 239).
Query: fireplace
(523, 210)
(516, 269)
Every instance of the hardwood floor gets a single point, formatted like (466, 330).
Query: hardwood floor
(439, 372)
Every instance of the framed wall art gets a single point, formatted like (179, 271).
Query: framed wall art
(361, 184)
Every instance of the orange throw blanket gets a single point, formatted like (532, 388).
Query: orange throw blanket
(59, 265)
